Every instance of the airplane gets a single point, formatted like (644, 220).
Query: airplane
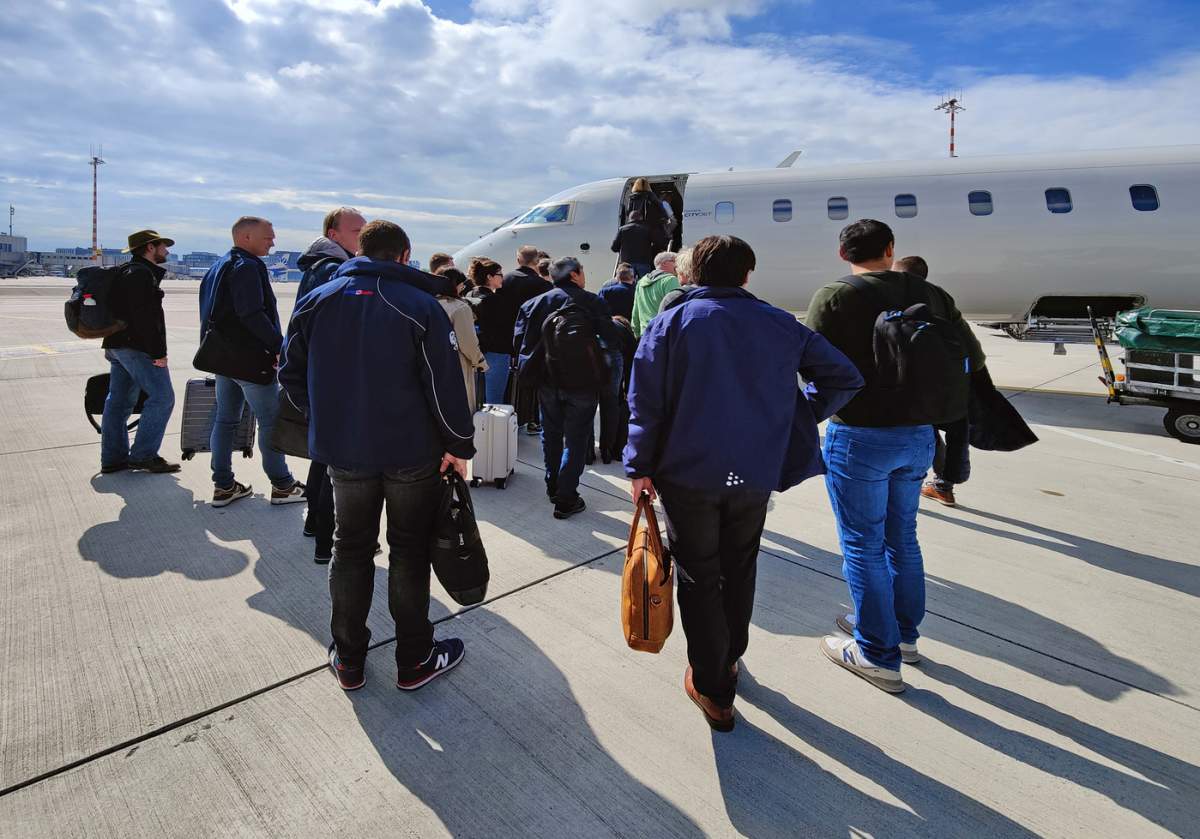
(1004, 234)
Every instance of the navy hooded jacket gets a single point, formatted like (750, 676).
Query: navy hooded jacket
(236, 293)
(371, 359)
(715, 403)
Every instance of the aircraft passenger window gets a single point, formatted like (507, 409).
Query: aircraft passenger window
(1144, 197)
(781, 210)
(906, 206)
(980, 202)
(724, 212)
(1058, 200)
(838, 207)
(550, 214)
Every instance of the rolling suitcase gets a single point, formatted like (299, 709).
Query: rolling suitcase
(495, 446)
(199, 411)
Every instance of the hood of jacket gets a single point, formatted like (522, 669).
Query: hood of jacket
(397, 271)
(655, 277)
(322, 248)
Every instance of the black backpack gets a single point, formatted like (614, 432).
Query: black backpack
(88, 310)
(921, 363)
(573, 357)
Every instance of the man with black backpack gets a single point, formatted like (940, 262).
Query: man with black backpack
(561, 337)
(138, 358)
(915, 352)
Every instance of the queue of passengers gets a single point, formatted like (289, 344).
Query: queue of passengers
(382, 359)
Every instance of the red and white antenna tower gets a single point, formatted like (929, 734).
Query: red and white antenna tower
(952, 107)
(96, 162)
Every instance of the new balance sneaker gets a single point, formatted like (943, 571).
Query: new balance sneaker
(224, 497)
(155, 464)
(943, 496)
(349, 678)
(291, 495)
(444, 655)
(565, 511)
(908, 652)
(844, 652)
(718, 718)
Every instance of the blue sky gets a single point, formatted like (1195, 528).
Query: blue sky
(452, 117)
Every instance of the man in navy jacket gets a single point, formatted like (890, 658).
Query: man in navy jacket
(718, 421)
(371, 359)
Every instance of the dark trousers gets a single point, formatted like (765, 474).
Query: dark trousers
(952, 458)
(320, 506)
(411, 497)
(714, 538)
(566, 431)
(614, 411)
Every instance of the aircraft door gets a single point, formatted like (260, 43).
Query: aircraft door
(669, 189)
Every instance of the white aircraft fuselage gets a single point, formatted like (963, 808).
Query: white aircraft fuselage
(997, 232)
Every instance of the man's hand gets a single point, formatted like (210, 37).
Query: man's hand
(459, 465)
(160, 362)
(640, 485)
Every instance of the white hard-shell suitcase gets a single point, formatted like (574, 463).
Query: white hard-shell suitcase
(495, 445)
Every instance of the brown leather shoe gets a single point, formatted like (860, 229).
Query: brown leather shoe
(718, 718)
(942, 496)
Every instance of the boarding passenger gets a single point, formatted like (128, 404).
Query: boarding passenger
(137, 357)
(642, 199)
(617, 293)
(388, 412)
(236, 295)
(568, 365)
(543, 268)
(462, 320)
(637, 242)
(495, 338)
(439, 261)
(520, 285)
(683, 272)
(339, 244)
(718, 423)
(651, 289)
(878, 449)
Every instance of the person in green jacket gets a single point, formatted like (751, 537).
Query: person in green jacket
(651, 289)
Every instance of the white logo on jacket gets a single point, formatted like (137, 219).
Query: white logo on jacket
(453, 341)
(733, 480)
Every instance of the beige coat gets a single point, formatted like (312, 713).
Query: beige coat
(470, 357)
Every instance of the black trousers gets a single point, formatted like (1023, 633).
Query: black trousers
(320, 506)
(952, 458)
(714, 538)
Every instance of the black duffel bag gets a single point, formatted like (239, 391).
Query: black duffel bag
(456, 551)
(223, 355)
(290, 434)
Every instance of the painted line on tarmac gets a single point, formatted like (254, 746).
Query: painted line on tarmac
(1087, 438)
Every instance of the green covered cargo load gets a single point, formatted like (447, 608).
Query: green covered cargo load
(1162, 330)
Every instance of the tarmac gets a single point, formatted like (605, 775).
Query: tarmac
(167, 677)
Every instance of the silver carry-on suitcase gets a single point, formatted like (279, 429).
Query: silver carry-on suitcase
(199, 412)
(495, 445)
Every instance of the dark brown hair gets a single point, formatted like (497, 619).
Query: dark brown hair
(383, 240)
(914, 265)
(455, 276)
(721, 261)
(481, 268)
(438, 261)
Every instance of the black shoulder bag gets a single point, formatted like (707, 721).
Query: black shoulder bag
(456, 551)
(222, 354)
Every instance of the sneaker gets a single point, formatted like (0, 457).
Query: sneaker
(444, 655)
(322, 557)
(224, 497)
(844, 652)
(908, 652)
(533, 428)
(718, 718)
(292, 495)
(113, 467)
(943, 496)
(349, 678)
(568, 510)
(155, 464)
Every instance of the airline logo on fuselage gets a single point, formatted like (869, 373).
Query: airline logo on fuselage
(697, 213)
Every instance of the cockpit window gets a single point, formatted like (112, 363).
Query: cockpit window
(549, 214)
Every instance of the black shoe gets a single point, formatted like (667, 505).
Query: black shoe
(565, 512)
(444, 655)
(322, 557)
(155, 464)
(308, 531)
(113, 467)
(349, 678)
(533, 428)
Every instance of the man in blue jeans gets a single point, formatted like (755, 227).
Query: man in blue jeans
(568, 397)
(877, 455)
(137, 356)
(236, 293)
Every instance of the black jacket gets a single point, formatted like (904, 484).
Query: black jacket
(619, 297)
(651, 207)
(518, 286)
(491, 320)
(637, 242)
(137, 299)
(995, 425)
(527, 334)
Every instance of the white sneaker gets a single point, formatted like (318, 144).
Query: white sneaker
(908, 652)
(292, 495)
(844, 652)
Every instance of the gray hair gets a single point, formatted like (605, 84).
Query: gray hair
(683, 264)
(665, 256)
(561, 269)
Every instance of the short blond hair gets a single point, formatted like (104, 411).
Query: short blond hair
(683, 264)
(246, 222)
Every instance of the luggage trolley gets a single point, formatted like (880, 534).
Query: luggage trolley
(1163, 371)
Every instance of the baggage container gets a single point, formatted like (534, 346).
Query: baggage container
(495, 446)
(199, 412)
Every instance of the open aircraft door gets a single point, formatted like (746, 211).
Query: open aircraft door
(669, 188)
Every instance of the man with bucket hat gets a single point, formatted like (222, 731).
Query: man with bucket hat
(138, 358)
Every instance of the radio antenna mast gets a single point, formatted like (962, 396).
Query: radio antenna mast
(97, 160)
(951, 106)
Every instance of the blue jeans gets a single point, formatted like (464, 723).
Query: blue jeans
(496, 378)
(874, 482)
(567, 417)
(132, 371)
(232, 394)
